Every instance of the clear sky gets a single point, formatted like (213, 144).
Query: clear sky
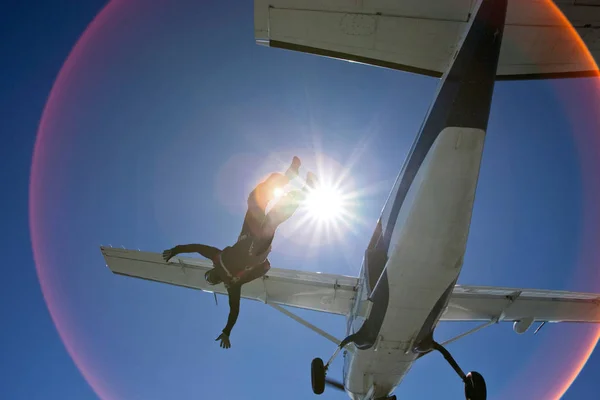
(160, 122)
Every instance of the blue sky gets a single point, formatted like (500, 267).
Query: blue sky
(162, 124)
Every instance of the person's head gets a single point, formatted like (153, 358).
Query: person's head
(212, 277)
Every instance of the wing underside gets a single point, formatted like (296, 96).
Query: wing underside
(335, 294)
(309, 290)
(480, 303)
(422, 36)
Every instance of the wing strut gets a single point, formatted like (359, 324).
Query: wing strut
(539, 327)
(467, 333)
(306, 323)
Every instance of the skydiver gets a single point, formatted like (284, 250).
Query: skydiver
(246, 260)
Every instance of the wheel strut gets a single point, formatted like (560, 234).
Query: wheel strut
(343, 344)
(319, 370)
(450, 359)
(475, 388)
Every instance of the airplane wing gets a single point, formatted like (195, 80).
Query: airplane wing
(421, 36)
(481, 303)
(309, 290)
(335, 294)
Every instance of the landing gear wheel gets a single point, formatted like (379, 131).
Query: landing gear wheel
(475, 388)
(317, 376)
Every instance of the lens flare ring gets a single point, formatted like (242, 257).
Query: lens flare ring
(40, 248)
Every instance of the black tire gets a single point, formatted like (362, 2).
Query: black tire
(475, 388)
(317, 376)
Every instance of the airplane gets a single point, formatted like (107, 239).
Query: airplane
(410, 269)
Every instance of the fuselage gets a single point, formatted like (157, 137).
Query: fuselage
(424, 260)
(416, 253)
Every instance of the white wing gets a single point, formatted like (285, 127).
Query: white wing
(481, 303)
(335, 294)
(421, 36)
(309, 290)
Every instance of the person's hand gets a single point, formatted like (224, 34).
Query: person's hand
(225, 343)
(168, 254)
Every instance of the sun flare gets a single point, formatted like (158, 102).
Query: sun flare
(325, 204)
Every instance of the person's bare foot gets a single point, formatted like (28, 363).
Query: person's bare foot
(311, 180)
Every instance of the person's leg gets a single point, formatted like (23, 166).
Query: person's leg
(287, 206)
(265, 191)
(262, 194)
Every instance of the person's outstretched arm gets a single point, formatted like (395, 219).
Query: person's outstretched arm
(235, 294)
(205, 251)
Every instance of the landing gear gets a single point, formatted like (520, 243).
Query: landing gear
(475, 388)
(317, 376)
(318, 371)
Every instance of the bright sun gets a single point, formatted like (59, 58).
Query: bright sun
(328, 208)
(325, 204)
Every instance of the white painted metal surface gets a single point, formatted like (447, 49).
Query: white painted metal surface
(480, 303)
(425, 257)
(313, 290)
(309, 290)
(424, 34)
